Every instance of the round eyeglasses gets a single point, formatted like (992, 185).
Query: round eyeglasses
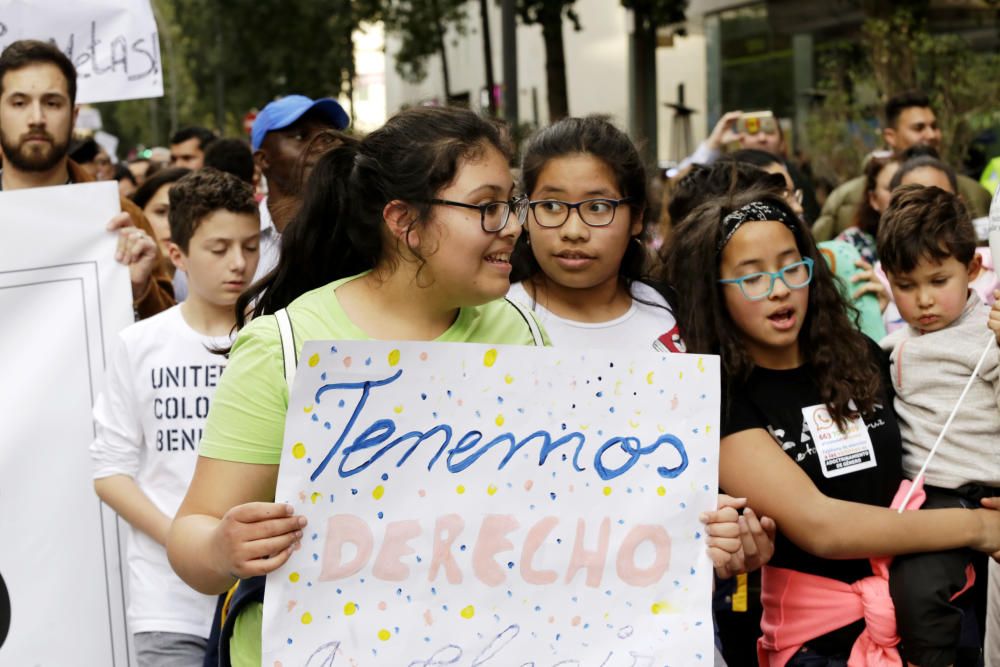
(493, 215)
(758, 286)
(598, 212)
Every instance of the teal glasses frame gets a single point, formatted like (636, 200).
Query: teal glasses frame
(749, 281)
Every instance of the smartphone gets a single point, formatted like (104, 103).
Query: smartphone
(753, 122)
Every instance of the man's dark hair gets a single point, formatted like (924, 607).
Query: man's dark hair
(26, 52)
(898, 103)
(232, 156)
(924, 223)
(201, 193)
(204, 136)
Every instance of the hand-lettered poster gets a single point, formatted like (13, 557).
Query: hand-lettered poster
(496, 505)
(114, 44)
(63, 297)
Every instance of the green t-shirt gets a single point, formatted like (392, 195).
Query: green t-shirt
(246, 423)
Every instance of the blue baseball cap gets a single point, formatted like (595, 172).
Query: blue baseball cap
(282, 113)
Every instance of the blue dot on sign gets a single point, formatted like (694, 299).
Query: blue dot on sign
(327, 425)
(315, 418)
(385, 476)
(599, 394)
(368, 361)
(510, 565)
(289, 641)
(315, 557)
(423, 397)
(333, 348)
(611, 409)
(322, 376)
(354, 492)
(340, 403)
(380, 515)
(552, 495)
(309, 459)
(331, 497)
(697, 535)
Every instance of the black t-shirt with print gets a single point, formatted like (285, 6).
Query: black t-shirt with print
(773, 400)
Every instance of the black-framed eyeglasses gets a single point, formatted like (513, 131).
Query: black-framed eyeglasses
(493, 215)
(598, 212)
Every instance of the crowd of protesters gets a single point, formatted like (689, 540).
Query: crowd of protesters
(419, 231)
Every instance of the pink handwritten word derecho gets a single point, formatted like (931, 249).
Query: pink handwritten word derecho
(491, 505)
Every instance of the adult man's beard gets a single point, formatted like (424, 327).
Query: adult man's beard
(35, 157)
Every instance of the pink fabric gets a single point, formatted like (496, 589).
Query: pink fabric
(799, 607)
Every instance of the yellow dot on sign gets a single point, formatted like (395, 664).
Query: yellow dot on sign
(394, 357)
(313, 360)
(307, 409)
(459, 489)
(708, 428)
(490, 358)
(298, 450)
(378, 492)
(398, 409)
(607, 490)
(633, 423)
(307, 618)
(508, 378)
(468, 612)
(660, 608)
(384, 635)
(316, 495)
(649, 377)
(293, 577)
(660, 491)
(350, 609)
(499, 420)
(491, 489)
(701, 364)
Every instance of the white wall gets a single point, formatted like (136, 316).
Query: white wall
(596, 68)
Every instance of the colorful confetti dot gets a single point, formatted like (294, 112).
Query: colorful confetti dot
(660, 491)
(491, 489)
(378, 492)
(468, 612)
(607, 490)
(508, 378)
(398, 409)
(394, 357)
(350, 609)
(313, 360)
(490, 358)
(384, 635)
(298, 450)
(293, 577)
(316, 495)
(307, 618)
(459, 489)
(649, 377)
(499, 420)
(660, 608)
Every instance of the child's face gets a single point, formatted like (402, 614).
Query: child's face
(769, 327)
(576, 255)
(465, 265)
(221, 257)
(933, 295)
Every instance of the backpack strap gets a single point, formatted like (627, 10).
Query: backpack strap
(288, 353)
(536, 331)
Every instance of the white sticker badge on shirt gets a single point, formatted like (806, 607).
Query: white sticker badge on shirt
(840, 452)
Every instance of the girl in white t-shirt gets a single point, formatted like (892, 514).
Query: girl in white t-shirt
(580, 265)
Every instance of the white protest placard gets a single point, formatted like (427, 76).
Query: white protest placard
(114, 44)
(63, 297)
(477, 505)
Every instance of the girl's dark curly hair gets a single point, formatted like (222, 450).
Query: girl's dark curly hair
(841, 357)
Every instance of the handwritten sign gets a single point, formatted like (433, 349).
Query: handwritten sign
(114, 44)
(63, 297)
(496, 506)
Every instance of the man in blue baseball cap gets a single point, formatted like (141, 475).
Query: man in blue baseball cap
(286, 136)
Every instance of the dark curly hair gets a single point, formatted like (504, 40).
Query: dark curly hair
(865, 217)
(339, 231)
(201, 193)
(844, 366)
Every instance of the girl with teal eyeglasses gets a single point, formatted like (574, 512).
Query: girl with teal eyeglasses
(808, 432)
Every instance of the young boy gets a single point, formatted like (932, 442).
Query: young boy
(160, 381)
(927, 245)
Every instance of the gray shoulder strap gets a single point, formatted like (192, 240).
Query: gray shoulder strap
(287, 345)
(536, 332)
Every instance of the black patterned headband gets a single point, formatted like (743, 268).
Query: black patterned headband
(755, 211)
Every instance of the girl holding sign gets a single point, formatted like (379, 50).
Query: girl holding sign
(809, 436)
(391, 243)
